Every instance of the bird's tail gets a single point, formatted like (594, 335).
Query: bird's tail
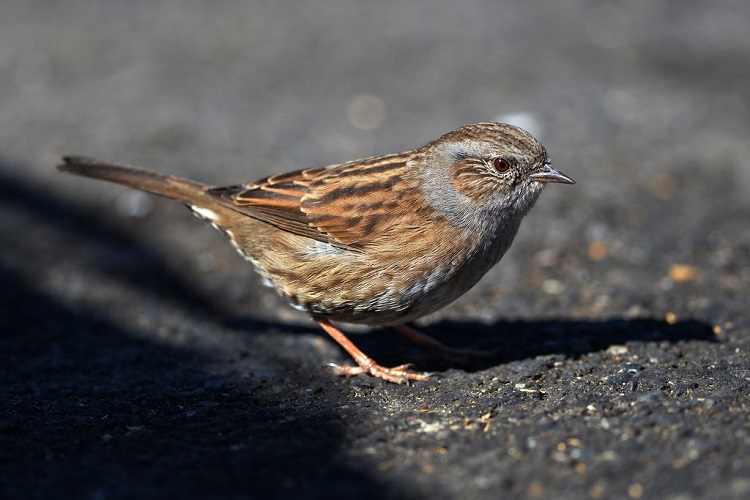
(191, 192)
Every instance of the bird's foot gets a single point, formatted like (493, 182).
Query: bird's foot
(397, 375)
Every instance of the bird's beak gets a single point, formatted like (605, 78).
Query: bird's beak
(547, 173)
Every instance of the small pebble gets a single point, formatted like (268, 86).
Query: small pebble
(681, 273)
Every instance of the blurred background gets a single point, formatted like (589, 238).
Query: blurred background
(132, 334)
(644, 103)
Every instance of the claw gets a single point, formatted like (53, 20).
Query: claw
(366, 365)
(397, 375)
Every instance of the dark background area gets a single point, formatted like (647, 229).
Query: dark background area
(140, 356)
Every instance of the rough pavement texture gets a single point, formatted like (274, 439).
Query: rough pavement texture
(140, 356)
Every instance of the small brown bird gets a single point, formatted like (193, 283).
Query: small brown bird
(378, 241)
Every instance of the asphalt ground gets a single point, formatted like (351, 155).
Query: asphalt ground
(140, 356)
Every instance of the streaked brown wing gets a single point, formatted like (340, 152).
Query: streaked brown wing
(363, 201)
(340, 204)
(275, 200)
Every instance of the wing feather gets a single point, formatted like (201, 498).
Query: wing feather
(341, 204)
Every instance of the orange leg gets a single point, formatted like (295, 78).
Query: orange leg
(431, 344)
(397, 375)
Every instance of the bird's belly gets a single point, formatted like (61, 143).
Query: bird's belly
(355, 288)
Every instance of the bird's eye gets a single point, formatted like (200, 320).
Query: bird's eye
(501, 165)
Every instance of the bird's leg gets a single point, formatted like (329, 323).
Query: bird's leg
(434, 345)
(397, 375)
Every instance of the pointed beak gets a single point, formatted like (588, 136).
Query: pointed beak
(547, 173)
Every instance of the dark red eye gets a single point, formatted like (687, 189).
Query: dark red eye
(501, 165)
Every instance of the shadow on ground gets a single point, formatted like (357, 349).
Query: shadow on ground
(121, 255)
(506, 341)
(91, 409)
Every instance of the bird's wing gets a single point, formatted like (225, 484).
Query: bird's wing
(344, 205)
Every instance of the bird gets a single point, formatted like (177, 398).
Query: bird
(380, 241)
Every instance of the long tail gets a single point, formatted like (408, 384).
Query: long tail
(191, 192)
